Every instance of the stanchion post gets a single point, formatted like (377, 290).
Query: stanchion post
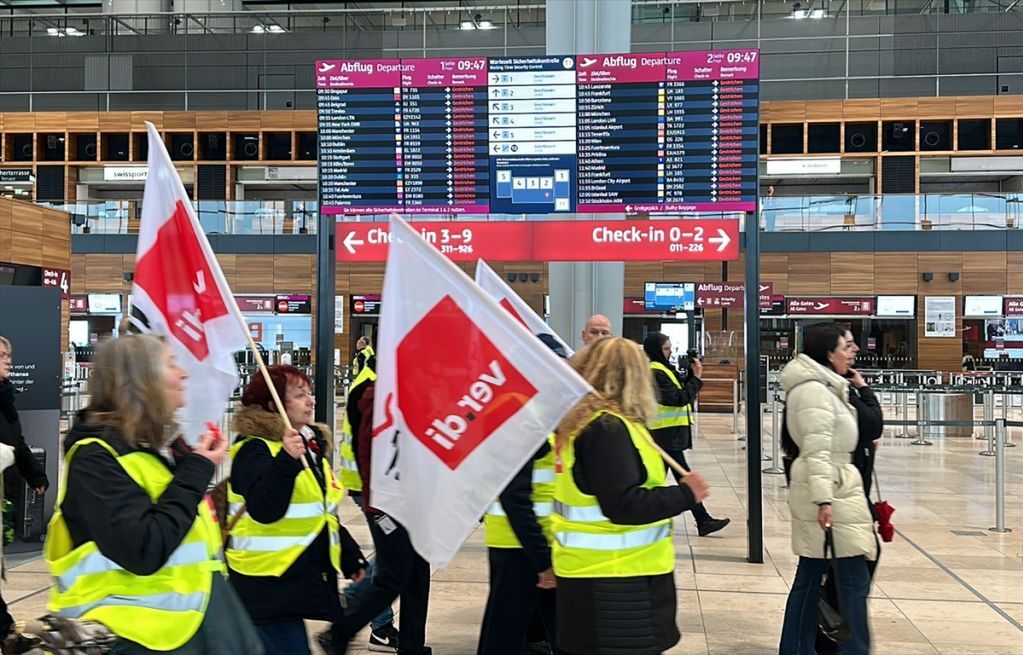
(999, 430)
(1006, 399)
(989, 427)
(922, 416)
(904, 405)
(776, 429)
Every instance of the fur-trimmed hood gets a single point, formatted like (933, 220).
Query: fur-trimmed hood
(257, 422)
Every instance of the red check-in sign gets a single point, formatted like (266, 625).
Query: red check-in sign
(628, 241)
(557, 241)
(461, 241)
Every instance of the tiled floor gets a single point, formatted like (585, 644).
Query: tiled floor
(936, 591)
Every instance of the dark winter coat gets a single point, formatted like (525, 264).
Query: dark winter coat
(870, 421)
(619, 616)
(678, 437)
(103, 504)
(309, 588)
(27, 466)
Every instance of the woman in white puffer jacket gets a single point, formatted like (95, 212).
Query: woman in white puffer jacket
(826, 491)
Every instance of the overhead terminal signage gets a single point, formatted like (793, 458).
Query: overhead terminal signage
(15, 175)
(365, 304)
(610, 240)
(830, 306)
(1014, 306)
(729, 295)
(644, 132)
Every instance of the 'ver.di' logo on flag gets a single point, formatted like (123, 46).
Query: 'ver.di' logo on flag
(455, 387)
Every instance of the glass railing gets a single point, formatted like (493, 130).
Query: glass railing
(960, 211)
(863, 213)
(267, 217)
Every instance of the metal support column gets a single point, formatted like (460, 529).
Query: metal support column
(754, 478)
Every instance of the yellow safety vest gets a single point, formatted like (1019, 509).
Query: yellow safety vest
(161, 611)
(269, 549)
(350, 477)
(367, 352)
(670, 416)
(498, 529)
(587, 544)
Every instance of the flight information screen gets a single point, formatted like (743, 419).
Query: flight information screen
(643, 132)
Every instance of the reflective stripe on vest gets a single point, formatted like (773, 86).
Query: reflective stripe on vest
(161, 611)
(670, 416)
(269, 549)
(589, 545)
(350, 478)
(498, 529)
(621, 541)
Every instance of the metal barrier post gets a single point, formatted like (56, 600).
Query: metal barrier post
(904, 403)
(1000, 477)
(775, 458)
(989, 429)
(1006, 399)
(922, 416)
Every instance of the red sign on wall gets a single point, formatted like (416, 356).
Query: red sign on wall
(79, 304)
(556, 241)
(461, 241)
(1013, 306)
(625, 241)
(60, 278)
(830, 306)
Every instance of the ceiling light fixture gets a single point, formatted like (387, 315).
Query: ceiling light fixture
(258, 29)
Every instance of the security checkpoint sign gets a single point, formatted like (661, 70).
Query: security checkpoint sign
(557, 241)
(461, 241)
(645, 240)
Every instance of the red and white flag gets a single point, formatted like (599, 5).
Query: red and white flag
(180, 294)
(506, 297)
(464, 397)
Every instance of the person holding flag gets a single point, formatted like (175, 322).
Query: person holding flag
(613, 551)
(133, 543)
(286, 543)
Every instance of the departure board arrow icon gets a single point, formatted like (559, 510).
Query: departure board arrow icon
(350, 242)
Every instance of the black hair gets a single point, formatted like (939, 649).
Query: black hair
(653, 345)
(821, 339)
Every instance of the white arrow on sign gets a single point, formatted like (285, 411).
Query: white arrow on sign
(722, 240)
(350, 242)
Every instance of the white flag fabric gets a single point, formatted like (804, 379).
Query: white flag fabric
(180, 294)
(464, 397)
(505, 296)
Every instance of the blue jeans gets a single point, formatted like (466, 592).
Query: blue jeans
(354, 593)
(799, 631)
(284, 637)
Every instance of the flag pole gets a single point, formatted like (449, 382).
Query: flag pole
(668, 459)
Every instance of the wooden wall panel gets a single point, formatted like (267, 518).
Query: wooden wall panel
(115, 121)
(293, 273)
(895, 273)
(852, 274)
(788, 111)
(83, 121)
(985, 273)
(933, 108)
(1014, 273)
(51, 121)
(774, 267)
(211, 121)
(1007, 105)
(78, 280)
(898, 108)
(227, 265)
(943, 354)
(809, 274)
(366, 278)
(254, 274)
(104, 273)
(244, 120)
(865, 109)
(26, 248)
(638, 273)
(940, 264)
(685, 272)
(973, 106)
(179, 120)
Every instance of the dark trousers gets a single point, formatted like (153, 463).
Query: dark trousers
(400, 572)
(284, 637)
(511, 604)
(700, 512)
(799, 629)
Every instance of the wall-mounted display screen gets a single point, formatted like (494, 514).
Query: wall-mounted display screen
(669, 296)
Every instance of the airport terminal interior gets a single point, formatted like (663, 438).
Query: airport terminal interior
(733, 174)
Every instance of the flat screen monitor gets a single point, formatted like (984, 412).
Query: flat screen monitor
(669, 296)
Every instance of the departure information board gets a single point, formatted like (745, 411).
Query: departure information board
(643, 132)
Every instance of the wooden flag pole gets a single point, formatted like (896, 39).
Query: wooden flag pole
(668, 459)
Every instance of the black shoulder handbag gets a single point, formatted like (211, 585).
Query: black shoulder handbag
(829, 619)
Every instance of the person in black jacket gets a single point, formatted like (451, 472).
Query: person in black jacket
(25, 462)
(869, 419)
(677, 390)
(308, 589)
(135, 388)
(602, 613)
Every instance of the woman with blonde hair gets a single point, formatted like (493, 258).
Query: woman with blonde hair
(614, 557)
(134, 544)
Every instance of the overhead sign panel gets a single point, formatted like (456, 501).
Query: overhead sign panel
(645, 132)
(829, 306)
(610, 240)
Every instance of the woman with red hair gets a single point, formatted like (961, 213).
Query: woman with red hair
(286, 543)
